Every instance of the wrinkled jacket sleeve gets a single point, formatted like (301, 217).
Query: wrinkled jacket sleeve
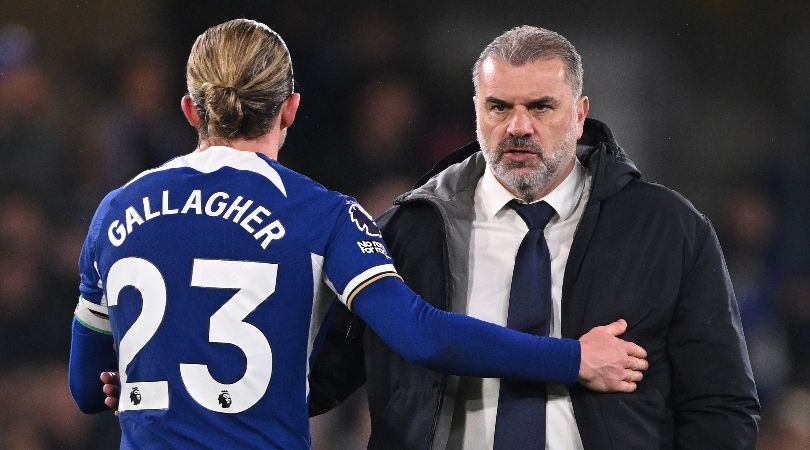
(713, 391)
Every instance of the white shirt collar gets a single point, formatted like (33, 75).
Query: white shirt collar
(563, 198)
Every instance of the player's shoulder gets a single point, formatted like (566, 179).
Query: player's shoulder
(304, 189)
(105, 205)
(102, 210)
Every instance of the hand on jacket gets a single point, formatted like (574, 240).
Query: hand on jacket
(610, 364)
(607, 363)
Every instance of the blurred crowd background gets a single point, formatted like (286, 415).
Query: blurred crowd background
(710, 97)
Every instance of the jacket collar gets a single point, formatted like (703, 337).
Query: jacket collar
(597, 150)
(610, 166)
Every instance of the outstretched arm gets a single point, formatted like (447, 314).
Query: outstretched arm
(422, 334)
(462, 345)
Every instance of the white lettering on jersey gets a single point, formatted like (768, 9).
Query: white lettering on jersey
(132, 218)
(217, 205)
(117, 233)
(254, 217)
(240, 209)
(273, 231)
(165, 210)
(147, 210)
(209, 210)
(193, 202)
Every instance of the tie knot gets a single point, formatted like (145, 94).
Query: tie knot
(536, 215)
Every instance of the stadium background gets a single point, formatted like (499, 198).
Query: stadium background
(709, 97)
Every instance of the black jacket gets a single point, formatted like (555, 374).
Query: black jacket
(641, 252)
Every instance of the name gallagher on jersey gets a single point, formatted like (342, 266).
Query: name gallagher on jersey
(218, 204)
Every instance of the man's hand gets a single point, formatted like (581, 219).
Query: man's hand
(112, 387)
(610, 364)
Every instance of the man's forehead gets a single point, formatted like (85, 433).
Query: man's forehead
(552, 66)
(541, 77)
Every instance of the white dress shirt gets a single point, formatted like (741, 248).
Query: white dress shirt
(496, 235)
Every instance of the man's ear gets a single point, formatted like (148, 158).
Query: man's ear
(190, 111)
(288, 110)
(583, 105)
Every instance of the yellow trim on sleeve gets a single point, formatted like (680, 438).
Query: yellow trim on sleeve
(361, 286)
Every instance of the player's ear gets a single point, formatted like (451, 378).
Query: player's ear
(190, 111)
(288, 109)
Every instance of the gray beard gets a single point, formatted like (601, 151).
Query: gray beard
(528, 184)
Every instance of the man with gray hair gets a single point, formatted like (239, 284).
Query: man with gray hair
(470, 239)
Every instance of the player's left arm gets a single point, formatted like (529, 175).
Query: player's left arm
(92, 345)
(458, 344)
(91, 352)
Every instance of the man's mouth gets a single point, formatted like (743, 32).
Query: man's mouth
(520, 155)
(520, 150)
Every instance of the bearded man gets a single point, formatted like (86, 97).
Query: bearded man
(619, 247)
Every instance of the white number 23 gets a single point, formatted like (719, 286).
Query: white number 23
(255, 283)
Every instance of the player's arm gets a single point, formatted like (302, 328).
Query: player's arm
(462, 345)
(91, 352)
(91, 346)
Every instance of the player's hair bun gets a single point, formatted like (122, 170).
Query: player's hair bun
(238, 75)
(223, 109)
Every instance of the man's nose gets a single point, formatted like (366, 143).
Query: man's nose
(520, 124)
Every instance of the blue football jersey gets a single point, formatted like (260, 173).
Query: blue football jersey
(213, 273)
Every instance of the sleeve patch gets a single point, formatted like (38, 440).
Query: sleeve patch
(363, 220)
(370, 247)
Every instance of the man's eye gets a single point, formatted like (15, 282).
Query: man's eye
(498, 108)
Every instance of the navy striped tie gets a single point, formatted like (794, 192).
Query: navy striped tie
(521, 420)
